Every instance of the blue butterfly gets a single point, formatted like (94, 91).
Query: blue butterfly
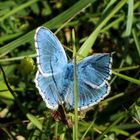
(55, 76)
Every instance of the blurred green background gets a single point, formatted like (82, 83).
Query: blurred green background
(100, 26)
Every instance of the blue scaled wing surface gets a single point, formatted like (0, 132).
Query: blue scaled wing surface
(50, 53)
(92, 86)
(96, 69)
(51, 60)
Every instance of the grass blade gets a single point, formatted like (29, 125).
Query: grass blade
(130, 79)
(60, 19)
(34, 120)
(129, 18)
(17, 9)
(126, 68)
(75, 129)
(136, 40)
(110, 127)
(83, 51)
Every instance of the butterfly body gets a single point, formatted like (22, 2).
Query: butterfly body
(55, 76)
(69, 72)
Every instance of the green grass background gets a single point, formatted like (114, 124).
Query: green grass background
(99, 27)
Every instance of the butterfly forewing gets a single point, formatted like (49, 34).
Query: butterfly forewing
(95, 69)
(51, 57)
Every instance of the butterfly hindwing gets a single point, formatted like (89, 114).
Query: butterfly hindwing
(50, 54)
(50, 89)
(87, 95)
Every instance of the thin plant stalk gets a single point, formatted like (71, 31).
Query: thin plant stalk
(75, 129)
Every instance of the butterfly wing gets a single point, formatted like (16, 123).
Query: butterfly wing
(92, 73)
(51, 60)
(96, 69)
(49, 89)
(87, 95)
(51, 57)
